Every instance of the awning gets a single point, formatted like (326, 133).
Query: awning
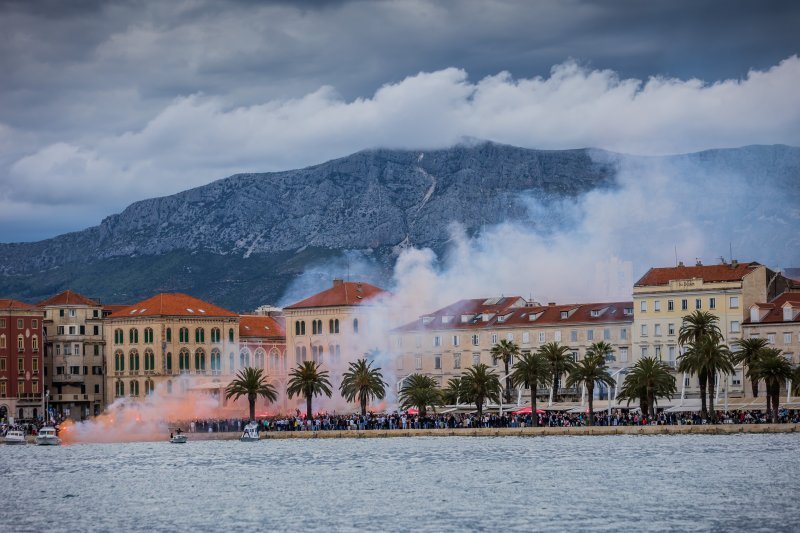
(526, 411)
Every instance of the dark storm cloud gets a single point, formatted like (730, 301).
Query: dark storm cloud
(89, 87)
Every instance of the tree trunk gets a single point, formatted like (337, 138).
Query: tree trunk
(534, 415)
(590, 393)
(508, 384)
(711, 384)
(651, 403)
(555, 386)
(479, 405)
(309, 414)
(754, 386)
(364, 406)
(768, 394)
(703, 378)
(251, 398)
(775, 403)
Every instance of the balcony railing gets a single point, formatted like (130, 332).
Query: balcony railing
(68, 378)
(59, 398)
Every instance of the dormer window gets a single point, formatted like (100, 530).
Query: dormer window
(466, 319)
(754, 314)
(595, 313)
(427, 320)
(446, 319)
(787, 313)
(628, 311)
(564, 314)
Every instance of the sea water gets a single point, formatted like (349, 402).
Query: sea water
(576, 483)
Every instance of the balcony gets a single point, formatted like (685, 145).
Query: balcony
(69, 378)
(62, 398)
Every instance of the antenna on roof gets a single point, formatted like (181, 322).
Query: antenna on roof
(730, 249)
(676, 255)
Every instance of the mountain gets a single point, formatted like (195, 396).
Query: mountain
(241, 240)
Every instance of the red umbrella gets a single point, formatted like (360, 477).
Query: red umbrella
(527, 411)
(412, 411)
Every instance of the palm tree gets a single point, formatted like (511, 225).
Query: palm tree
(695, 326)
(480, 384)
(590, 370)
(531, 370)
(252, 383)
(363, 382)
(560, 360)
(710, 356)
(747, 355)
(505, 351)
(774, 369)
(453, 392)
(309, 381)
(648, 380)
(419, 391)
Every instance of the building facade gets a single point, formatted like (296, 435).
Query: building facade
(21, 368)
(172, 341)
(663, 296)
(779, 322)
(74, 355)
(444, 343)
(262, 341)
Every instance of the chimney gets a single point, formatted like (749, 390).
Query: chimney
(734, 263)
(698, 262)
(551, 304)
(338, 282)
(680, 264)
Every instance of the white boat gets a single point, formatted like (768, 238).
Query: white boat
(178, 438)
(250, 433)
(47, 437)
(14, 436)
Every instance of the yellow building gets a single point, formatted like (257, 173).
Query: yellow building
(779, 322)
(443, 343)
(663, 296)
(174, 341)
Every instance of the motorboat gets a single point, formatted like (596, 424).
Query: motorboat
(15, 436)
(250, 433)
(178, 438)
(47, 437)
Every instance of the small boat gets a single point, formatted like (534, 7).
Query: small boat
(250, 433)
(47, 437)
(15, 436)
(178, 438)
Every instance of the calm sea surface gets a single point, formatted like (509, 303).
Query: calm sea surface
(627, 483)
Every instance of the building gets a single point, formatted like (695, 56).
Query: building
(74, 355)
(21, 374)
(262, 340)
(335, 326)
(663, 296)
(443, 343)
(174, 341)
(779, 322)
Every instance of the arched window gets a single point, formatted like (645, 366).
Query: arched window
(259, 359)
(336, 354)
(200, 361)
(169, 363)
(199, 335)
(119, 389)
(169, 334)
(133, 336)
(333, 325)
(316, 354)
(355, 326)
(183, 335)
(119, 361)
(169, 386)
(133, 358)
(148, 387)
(216, 361)
(244, 358)
(231, 359)
(230, 335)
(118, 336)
(316, 327)
(297, 328)
(148, 335)
(215, 335)
(183, 361)
(149, 360)
(298, 356)
(273, 360)
(134, 388)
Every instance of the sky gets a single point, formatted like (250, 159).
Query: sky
(103, 104)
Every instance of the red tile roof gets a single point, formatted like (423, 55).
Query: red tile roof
(708, 273)
(775, 309)
(8, 303)
(67, 297)
(470, 314)
(113, 308)
(259, 326)
(342, 293)
(172, 304)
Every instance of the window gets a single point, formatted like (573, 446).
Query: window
(643, 306)
(261, 356)
(20, 323)
(476, 359)
(3, 390)
(149, 360)
(200, 361)
(35, 343)
(557, 335)
(230, 335)
(72, 313)
(183, 361)
(787, 313)
(75, 370)
(736, 378)
(133, 360)
(684, 304)
(333, 325)
(2, 323)
(183, 335)
(590, 335)
(657, 331)
(644, 351)
(244, 357)
(437, 362)
(60, 312)
(35, 365)
(734, 302)
(34, 323)
(644, 330)
(734, 326)
(134, 388)
(119, 361)
(97, 349)
(133, 336)
(316, 327)
(686, 382)
(231, 362)
(712, 303)
(119, 389)
(494, 339)
(671, 353)
(670, 329)
(355, 326)
(148, 335)
(475, 339)
(657, 305)
(95, 330)
(169, 334)
(698, 303)
(60, 330)
(117, 336)
(148, 387)
(73, 330)
(437, 340)
(771, 338)
(417, 362)
(658, 352)
(456, 361)
(787, 338)
(623, 334)
(199, 335)
(20, 343)
(169, 363)
(2, 363)
(456, 340)
(606, 334)
(564, 314)
(526, 337)
(216, 335)
(670, 305)
(623, 355)
(510, 337)
(2, 341)
(541, 336)
(573, 335)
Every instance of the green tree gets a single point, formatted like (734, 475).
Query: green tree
(696, 326)
(590, 370)
(452, 394)
(309, 381)
(708, 355)
(362, 382)
(480, 384)
(252, 383)
(420, 391)
(774, 369)
(560, 360)
(505, 351)
(531, 370)
(747, 354)
(648, 380)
